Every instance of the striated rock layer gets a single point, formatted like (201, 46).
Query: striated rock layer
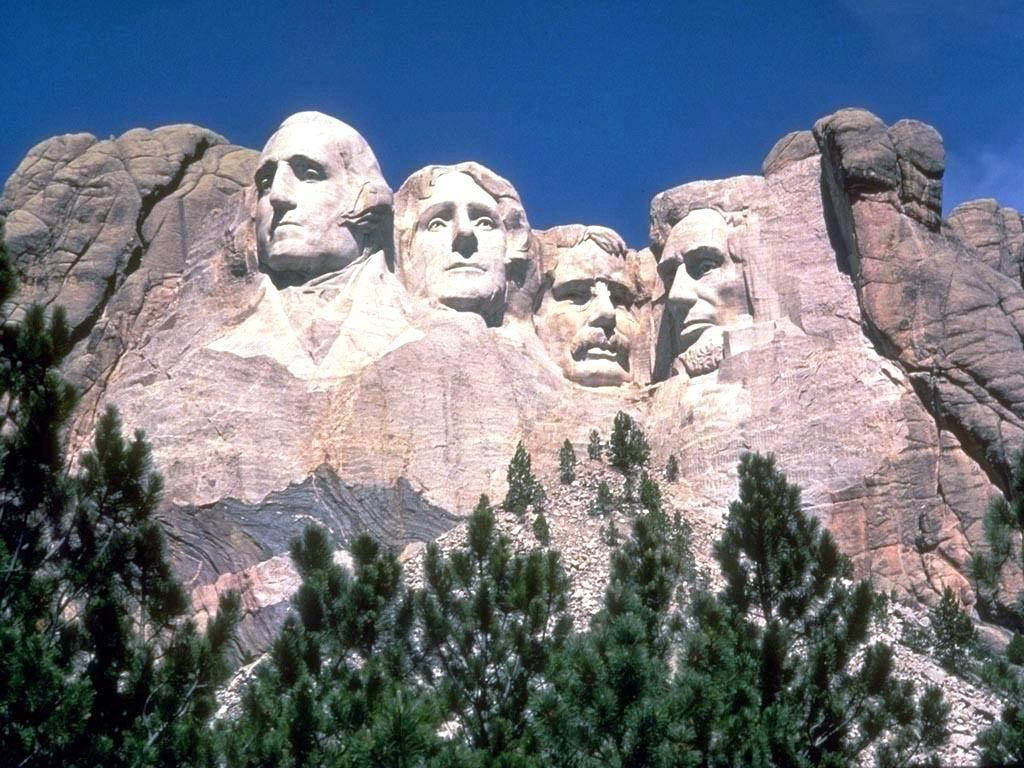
(876, 348)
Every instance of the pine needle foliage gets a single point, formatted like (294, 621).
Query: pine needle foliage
(98, 664)
(627, 446)
(780, 665)
(490, 621)
(524, 489)
(336, 688)
(566, 463)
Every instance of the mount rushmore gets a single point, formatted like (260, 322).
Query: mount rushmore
(302, 343)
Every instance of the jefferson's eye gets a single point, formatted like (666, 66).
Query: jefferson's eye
(435, 224)
(667, 269)
(486, 222)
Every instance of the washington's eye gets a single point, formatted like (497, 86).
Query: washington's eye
(435, 224)
(263, 181)
(486, 222)
(308, 171)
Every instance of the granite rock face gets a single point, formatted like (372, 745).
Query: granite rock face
(301, 346)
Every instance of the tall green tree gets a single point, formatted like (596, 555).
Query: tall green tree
(780, 665)
(98, 663)
(490, 620)
(337, 688)
(608, 701)
(566, 463)
(627, 446)
(524, 489)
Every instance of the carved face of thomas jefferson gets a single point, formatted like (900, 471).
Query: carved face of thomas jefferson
(457, 227)
(321, 198)
(705, 288)
(585, 319)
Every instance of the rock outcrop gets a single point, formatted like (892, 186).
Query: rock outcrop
(380, 381)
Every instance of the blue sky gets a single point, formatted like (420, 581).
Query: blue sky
(589, 108)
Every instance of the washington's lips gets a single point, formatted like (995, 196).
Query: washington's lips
(464, 265)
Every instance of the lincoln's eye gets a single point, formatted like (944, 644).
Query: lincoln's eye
(701, 262)
(435, 224)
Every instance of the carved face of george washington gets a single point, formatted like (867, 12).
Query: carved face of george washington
(322, 199)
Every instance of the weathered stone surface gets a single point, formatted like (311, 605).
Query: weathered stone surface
(791, 148)
(75, 210)
(820, 311)
(954, 323)
(994, 232)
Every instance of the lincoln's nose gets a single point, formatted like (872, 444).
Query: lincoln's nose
(682, 294)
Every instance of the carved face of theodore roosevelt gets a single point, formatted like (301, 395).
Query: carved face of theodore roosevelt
(455, 227)
(706, 292)
(322, 198)
(585, 318)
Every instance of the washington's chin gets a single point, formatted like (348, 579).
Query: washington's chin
(704, 353)
(292, 255)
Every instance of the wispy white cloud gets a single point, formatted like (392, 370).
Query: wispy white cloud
(993, 170)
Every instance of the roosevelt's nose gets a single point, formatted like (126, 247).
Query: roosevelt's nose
(464, 238)
(602, 310)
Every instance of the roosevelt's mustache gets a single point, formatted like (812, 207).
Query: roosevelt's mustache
(595, 337)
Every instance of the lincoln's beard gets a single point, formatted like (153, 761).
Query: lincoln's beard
(703, 355)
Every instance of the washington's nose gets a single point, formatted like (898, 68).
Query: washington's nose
(602, 312)
(464, 239)
(282, 191)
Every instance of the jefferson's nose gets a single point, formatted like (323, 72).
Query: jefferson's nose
(464, 238)
(602, 311)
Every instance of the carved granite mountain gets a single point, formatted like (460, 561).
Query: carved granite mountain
(292, 357)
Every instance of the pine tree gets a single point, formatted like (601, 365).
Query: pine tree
(627, 447)
(567, 463)
(99, 664)
(1003, 528)
(594, 447)
(650, 493)
(338, 689)
(603, 501)
(773, 672)
(541, 532)
(608, 702)
(672, 469)
(524, 490)
(953, 631)
(489, 622)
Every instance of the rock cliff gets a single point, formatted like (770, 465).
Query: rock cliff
(301, 344)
